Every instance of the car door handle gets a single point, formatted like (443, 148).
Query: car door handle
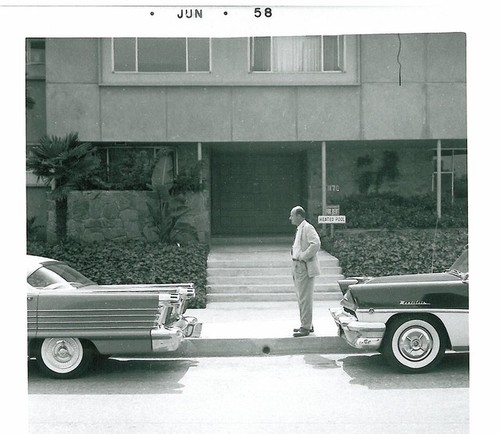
(30, 298)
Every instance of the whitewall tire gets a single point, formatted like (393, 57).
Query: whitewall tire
(414, 344)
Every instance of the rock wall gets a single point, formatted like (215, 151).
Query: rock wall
(97, 216)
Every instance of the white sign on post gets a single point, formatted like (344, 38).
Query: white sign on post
(331, 219)
(333, 210)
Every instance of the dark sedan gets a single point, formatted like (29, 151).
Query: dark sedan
(411, 319)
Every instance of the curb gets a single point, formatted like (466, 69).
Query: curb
(260, 347)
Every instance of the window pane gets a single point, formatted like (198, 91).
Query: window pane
(130, 168)
(124, 54)
(333, 53)
(261, 60)
(36, 51)
(296, 54)
(199, 54)
(162, 54)
(460, 164)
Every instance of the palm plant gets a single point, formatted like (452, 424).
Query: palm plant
(63, 163)
(167, 218)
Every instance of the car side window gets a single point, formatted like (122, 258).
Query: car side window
(40, 279)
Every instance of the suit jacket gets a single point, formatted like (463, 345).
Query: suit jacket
(310, 245)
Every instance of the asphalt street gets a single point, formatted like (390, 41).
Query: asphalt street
(312, 393)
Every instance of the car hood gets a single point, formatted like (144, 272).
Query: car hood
(413, 278)
(432, 290)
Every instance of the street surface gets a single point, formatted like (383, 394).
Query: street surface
(313, 393)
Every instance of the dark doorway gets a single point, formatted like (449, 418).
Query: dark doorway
(252, 193)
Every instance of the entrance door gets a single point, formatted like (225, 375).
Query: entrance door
(252, 194)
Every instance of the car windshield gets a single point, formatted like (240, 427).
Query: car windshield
(462, 263)
(58, 275)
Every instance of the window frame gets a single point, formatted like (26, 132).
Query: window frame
(29, 50)
(229, 73)
(341, 58)
(187, 71)
(107, 147)
(451, 173)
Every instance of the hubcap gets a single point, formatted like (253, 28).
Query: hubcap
(62, 355)
(415, 343)
(61, 352)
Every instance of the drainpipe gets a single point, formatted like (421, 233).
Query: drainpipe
(438, 180)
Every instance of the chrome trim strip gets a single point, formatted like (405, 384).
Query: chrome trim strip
(143, 309)
(95, 317)
(400, 310)
(420, 283)
(84, 327)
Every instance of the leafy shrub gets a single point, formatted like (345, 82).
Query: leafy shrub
(188, 179)
(134, 262)
(167, 218)
(32, 229)
(132, 172)
(391, 211)
(379, 253)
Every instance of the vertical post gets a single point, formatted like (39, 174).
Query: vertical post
(323, 179)
(438, 180)
(200, 156)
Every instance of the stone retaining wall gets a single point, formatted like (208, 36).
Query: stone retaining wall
(96, 216)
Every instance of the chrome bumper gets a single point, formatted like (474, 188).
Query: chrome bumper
(362, 335)
(169, 338)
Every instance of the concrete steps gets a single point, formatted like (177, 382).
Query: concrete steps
(259, 269)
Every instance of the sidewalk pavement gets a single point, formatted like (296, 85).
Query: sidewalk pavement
(259, 329)
(261, 319)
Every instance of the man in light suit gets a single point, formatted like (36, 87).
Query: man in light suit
(305, 267)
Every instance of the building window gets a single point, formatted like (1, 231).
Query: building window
(35, 51)
(291, 54)
(161, 54)
(453, 173)
(136, 167)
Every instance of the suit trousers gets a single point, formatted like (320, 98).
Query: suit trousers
(304, 289)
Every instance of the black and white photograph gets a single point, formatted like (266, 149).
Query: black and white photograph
(249, 218)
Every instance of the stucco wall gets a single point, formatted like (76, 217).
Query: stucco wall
(429, 103)
(36, 116)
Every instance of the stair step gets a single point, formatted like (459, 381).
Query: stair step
(275, 271)
(213, 298)
(261, 263)
(269, 289)
(267, 279)
(252, 241)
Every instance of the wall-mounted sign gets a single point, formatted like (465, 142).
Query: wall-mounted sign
(331, 219)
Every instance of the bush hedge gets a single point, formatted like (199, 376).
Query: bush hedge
(134, 262)
(388, 252)
(391, 211)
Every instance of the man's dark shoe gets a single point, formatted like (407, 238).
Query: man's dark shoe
(301, 332)
(311, 330)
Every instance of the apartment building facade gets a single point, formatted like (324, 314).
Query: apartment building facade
(275, 121)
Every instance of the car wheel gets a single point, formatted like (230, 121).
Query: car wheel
(64, 357)
(414, 344)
